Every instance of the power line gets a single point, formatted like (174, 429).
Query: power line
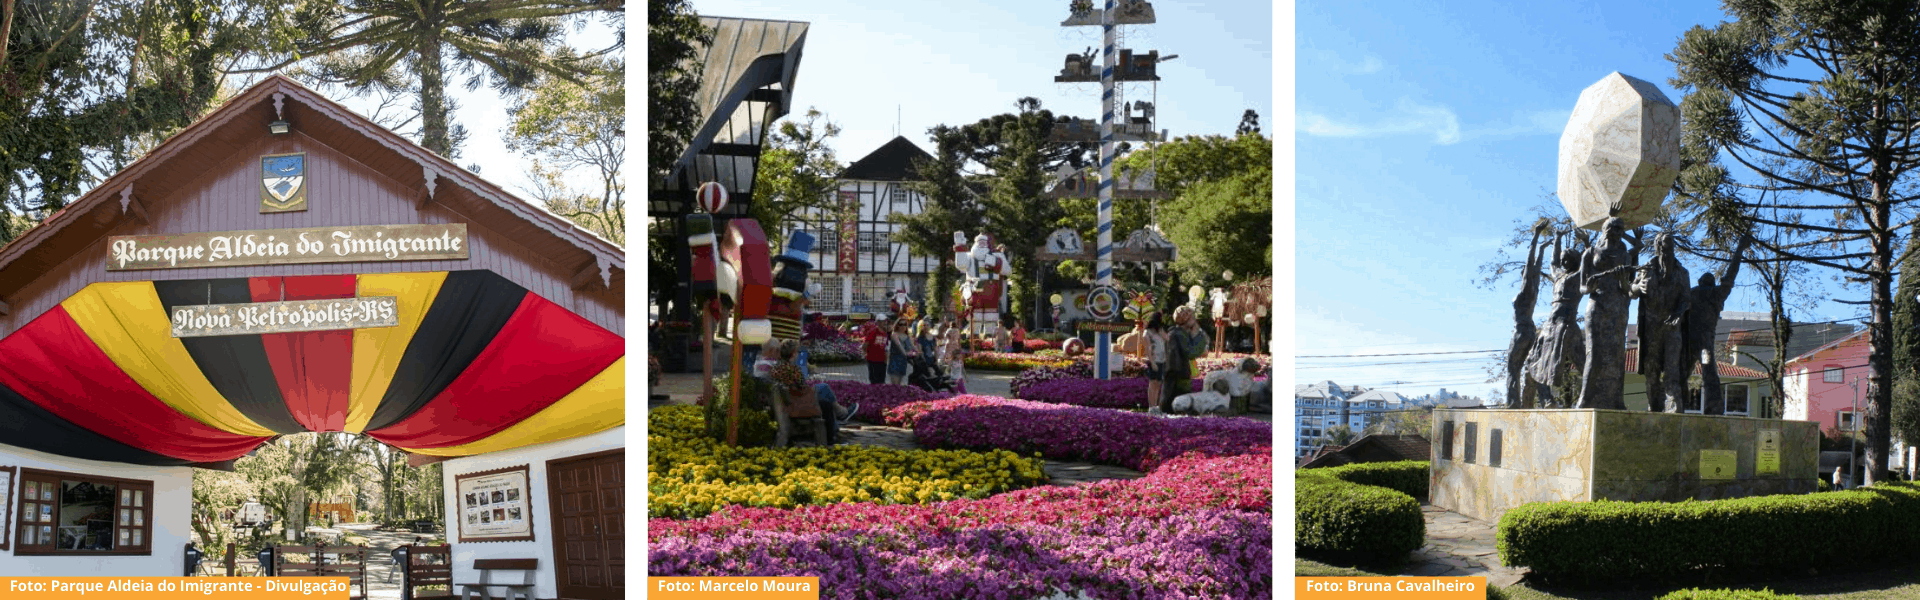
(1399, 354)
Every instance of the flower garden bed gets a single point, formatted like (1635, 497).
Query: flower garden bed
(689, 474)
(1197, 525)
(1012, 361)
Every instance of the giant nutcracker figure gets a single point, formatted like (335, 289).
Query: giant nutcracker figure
(790, 285)
(986, 272)
(742, 284)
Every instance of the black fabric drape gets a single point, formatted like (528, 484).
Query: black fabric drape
(468, 312)
(235, 364)
(25, 424)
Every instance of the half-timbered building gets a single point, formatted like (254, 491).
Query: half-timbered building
(856, 260)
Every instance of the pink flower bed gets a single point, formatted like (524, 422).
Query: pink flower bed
(1199, 554)
(1110, 393)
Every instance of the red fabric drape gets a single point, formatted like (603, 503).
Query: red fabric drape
(314, 368)
(542, 353)
(53, 364)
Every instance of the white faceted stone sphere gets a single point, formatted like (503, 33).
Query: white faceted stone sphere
(1621, 149)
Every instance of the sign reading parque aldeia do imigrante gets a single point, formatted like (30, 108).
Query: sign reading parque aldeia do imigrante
(358, 243)
(281, 317)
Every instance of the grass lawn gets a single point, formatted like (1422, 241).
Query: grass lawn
(1891, 583)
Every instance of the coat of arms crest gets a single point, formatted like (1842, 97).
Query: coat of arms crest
(283, 182)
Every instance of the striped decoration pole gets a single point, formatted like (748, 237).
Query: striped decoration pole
(1104, 255)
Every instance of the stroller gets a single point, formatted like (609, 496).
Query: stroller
(927, 375)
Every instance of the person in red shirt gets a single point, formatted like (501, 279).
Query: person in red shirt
(874, 340)
(1019, 337)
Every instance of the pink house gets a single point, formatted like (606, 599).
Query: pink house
(1819, 384)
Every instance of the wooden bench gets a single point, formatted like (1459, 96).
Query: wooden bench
(787, 424)
(488, 567)
(428, 573)
(323, 561)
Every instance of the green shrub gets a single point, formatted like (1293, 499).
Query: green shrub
(1696, 594)
(757, 427)
(1607, 540)
(1407, 477)
(1351, 521)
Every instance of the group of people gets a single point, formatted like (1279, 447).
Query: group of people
(891, 346)
(785, 354)
(1172, 352)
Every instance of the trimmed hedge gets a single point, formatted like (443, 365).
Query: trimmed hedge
(1408, 477)
(1697, 594)
(1351, 521)
(1608, 540)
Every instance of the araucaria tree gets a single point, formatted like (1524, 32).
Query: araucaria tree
(1812, 101)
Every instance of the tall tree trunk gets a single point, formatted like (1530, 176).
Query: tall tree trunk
(1880, 385)
(433, 100)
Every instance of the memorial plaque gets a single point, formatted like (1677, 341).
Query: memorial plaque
(358, 243)
(201, 320)
(1717, 464)
(1767, 453)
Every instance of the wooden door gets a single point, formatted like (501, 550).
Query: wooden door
(588, 500)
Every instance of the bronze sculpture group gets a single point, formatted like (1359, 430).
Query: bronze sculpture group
(1676, 323)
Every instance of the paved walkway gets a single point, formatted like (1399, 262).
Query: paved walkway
(1459, 546)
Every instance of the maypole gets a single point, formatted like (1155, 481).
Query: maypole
(1103, 254)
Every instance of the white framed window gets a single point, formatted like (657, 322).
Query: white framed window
(1692, 403)
(900, 196)
(827, 239)
(1833, 374)
(874, 242)
(1737, 401)
(1846, 420)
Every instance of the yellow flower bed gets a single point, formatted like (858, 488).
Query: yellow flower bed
(690, 475)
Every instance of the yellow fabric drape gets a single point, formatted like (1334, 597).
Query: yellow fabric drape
(127, 321)
(597, 405)
(377, 351)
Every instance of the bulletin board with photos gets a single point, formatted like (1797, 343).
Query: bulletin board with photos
(494, 505)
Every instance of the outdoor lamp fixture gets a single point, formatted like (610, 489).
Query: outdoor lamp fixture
(279, 127)
(1227, 274)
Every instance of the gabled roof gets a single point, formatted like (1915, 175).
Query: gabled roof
(1380, 395)
(1857, 338)
(892, 161)
(181, 160)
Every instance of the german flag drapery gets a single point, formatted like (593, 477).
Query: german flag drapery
(476, 364)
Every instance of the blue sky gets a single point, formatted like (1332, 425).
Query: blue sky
(937, 63)
(1424, 131)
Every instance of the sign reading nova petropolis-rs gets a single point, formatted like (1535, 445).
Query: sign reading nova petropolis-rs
(280, 317)
(358, 243)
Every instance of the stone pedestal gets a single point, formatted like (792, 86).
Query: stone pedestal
(1486, 462)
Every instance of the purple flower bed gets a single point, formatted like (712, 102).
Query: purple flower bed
(875, 399)
(1111, 393)
(1200, 554)
(1132, 440)
(818, 330)
(843, 350)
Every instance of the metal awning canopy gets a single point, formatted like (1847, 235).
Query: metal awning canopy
(746, 84)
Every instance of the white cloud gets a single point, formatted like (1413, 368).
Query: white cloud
(1328, 61)
(1409, 118)
(1412, 118)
